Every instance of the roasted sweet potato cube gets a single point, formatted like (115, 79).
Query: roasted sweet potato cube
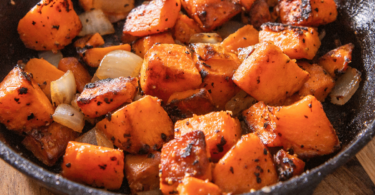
(48, 143)
(304, 128)
(194, 186)
(269, 75)
(295, 42)
(103, 96)
(243, 37)
(184, 156)
(93, 56)
(320, 83)
(336, 61)
(141, 46)
(93, 165)
(142, 171)
(49, 25)
(168, 68)
(246, 166)
(261, 121)
(184, 28)
(184, 104)
(152, 18)
(220, 129)
(247, 3)
(307, 12)
(140, 127)
(88, 41)
(81, 75)
(216, 66)
(23, 105)
(43, 74)
(288, 165)
(258, 14)
(210, 14)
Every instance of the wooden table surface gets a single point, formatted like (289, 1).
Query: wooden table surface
(348, 179)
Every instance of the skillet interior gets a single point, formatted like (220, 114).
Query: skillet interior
(353, 122)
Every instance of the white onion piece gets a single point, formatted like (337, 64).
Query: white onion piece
(240, 102)
(70, 117)
(94, 78)
(205, 38)
(52, 58)
(228, 28)
(322, 34)
(345, 86)
(63, 89)
(151, 192)
(95, 22)
(119, 63)
(95, 137)
(245, 52)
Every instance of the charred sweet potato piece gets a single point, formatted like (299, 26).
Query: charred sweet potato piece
(336, 61)
(295, 42)
(243, 37)
(168, 68)
(152, 18)
(269, 75)
(140, 127)
(307, 12)
(247, 3)
(239, 103)
(142, 171)
(288, 165)
(81, 75)
(216, 66)
(184, 104)
(93, 56)
(320, 83)
(304, 128)
(48, 143)
(194, 186)
(262, 122)
(220, 129)
(49, 25)
(93, 165)
(23, 105)
(184, 156)
(258, 14)
(210, 14)
(248, 165)
(106, 95)
(141, 46)
(184, 28)
(43, 74)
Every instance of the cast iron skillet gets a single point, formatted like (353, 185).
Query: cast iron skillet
(353, 122)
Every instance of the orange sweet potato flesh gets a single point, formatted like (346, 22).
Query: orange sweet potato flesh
(305, 128)
(81, 75)
(261, 121)
(307, 12)
(141, 46)
(49, 25)
(23, 105)
(48, 143)
(336, 61)
(295, 42)
(210, 14)
(220, 129)
(93, 56)
(152, 18)
(269, 75)
(95, 40)
(168, 68)
(184, 28)
(103, 96)
(194, 186)
(93, 165)
(243, 37)
(246, 166)
(140, 127)
(43, 74)
(288, 165)
(184, 156)
(216, 66)
(320, 83)
(142, 171)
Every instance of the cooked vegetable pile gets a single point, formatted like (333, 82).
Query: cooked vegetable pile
(191, 103)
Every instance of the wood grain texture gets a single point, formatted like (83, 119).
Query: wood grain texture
(367, 159)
